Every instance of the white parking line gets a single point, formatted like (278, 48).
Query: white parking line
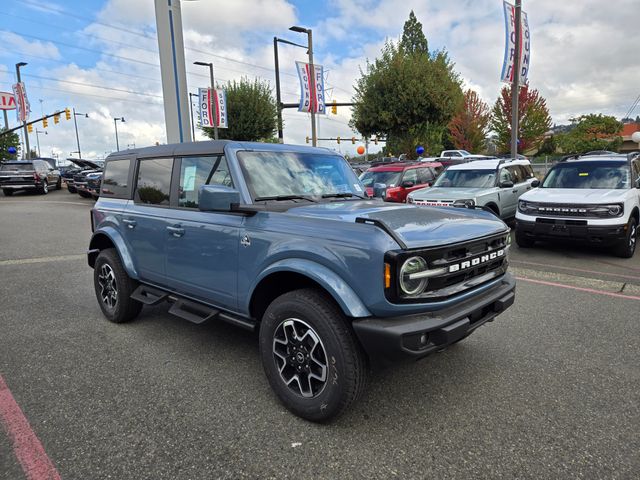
(24, 261)
(40, 202)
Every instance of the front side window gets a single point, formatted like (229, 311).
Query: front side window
(411, 176)
(115, 181)
(389, 178)
(154, 181)
(601, 175)
(198, 171)
(516, 174)
(298, 174)
(481, 178)
(505, 176)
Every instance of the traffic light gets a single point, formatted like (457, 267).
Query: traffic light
(56, 119)
(307, 140)
(353, 140)
(67, 113)
(45, 123)
(338, 140)
(30, 128)
(334, 109)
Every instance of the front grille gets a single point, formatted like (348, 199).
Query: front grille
(457, 267)
(555, 210)
(568, 210)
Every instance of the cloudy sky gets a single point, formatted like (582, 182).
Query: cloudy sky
(100, 56)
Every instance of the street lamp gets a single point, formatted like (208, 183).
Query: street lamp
(24, 122)
(75, 114)
(115, 124)
(213, 87)
(312, 106)
(38, 139)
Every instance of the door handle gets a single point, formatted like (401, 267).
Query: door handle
(515, 191)
(129, 223)
(176, 231)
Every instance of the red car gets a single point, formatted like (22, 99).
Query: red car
(400, 178)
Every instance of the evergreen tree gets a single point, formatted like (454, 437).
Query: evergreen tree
(413, 39)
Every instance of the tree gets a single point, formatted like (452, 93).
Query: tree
(468, 128)
(533, 119)
(408, 95)
(8, 140)
(251, 112)
(592, 132)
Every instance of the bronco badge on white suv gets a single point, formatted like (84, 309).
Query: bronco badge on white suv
(594, 199)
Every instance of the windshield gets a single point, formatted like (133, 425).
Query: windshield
(282, 174)
(466, 178)
(389, 178)
(603, 175)
(16, 167)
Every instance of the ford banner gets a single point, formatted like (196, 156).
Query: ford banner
(213, 108)
(310, 100)
(510, 45)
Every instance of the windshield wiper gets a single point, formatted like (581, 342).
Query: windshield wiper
(341, 195)
(284, 197)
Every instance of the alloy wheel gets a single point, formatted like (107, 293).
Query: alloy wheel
(108, 286)
(632, 237)
(300, 357)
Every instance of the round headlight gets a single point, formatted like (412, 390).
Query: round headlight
(413, 286)
(615, 210)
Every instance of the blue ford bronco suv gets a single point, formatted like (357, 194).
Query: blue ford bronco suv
(283, 240)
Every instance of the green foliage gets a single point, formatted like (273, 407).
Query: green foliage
(407, 94)
(592, 132)
(533, 120)
(548, 146)
(251, 112)
(6, 141)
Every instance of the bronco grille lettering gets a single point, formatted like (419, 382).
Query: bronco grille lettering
(476, 261)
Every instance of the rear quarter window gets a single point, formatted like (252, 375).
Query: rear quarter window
(116, 179)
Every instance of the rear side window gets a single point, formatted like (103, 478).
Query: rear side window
(516, 174)
(425, 175)
(154, 181)
(115, 181)
(198, 171)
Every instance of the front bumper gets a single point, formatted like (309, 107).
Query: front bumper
(410, 337)
(556, 229)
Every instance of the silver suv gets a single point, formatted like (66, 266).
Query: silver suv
(495, 184)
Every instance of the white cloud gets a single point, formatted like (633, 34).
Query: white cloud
(11, 41)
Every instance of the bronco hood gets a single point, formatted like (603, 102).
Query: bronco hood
(415, 226)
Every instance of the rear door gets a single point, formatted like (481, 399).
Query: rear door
(508, 195)
(145, 218)
(202, 247)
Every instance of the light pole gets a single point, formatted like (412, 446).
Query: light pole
(515, 89)
(278, 94)
(115, 124)
(193, 125)
(24, 122)
(213, 87)
(38, 139)
(75, 114)
(312, 73)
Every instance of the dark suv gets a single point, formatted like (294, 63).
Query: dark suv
(280, 239)
(34, 174)
(81, 168)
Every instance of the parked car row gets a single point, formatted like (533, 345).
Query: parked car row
(84, 179)
(34, 175)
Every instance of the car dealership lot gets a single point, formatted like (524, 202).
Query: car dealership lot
(550, 389)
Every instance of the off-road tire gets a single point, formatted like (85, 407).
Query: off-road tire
(346, 370)
(84, 194)
(125, 308)
(627, 247)
(7, 192)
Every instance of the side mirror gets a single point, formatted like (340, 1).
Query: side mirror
(535, 183)
(379, 190)
(638, 183)
(507, 184)
(407, 184)
(217, 198)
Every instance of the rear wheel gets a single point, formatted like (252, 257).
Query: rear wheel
(310, 355)
(627, 247)
(59, 183)
(114, 287)
(7, 192)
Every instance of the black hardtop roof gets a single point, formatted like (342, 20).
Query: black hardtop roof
(206, 148)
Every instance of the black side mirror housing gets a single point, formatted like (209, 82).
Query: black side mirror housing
(379, 190)
(508, 184)
(535, 183)
(407, 184)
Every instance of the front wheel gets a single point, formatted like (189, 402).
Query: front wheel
(114, 287)
(44, 189)
(310, 355)
(627, 247)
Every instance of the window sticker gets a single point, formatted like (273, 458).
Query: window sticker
(583, 174)
(190, 178)
(357, 187)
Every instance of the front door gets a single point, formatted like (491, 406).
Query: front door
(202, 247)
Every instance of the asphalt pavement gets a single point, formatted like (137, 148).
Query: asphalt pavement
(550, 389)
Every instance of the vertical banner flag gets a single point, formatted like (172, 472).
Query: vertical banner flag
(510, 45)
(22, 103)
(311, 101)
(213, 107)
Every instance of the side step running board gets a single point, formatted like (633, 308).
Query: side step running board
(148, 295)
(192, 311)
